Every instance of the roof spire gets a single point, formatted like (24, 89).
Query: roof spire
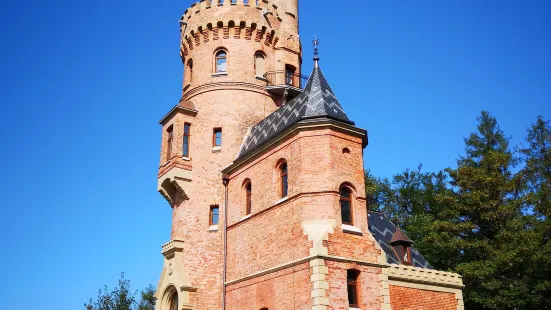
(315, 44)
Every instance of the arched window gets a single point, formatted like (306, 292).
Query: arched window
(220, 61)
(346, 205)
(190, 70)
(174, 302)
(352, 287)
(283, 179)
(169, 139)
(248, 200)
(259, 64)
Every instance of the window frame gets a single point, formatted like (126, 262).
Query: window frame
(283, 179)
(186, 138)
(173, 298)
(190, 70)
(354, 284)
(211, 215)
(169, 141)
(214, 131)
(217, 56)
(349, 200)
(248, 197)
(259, 54)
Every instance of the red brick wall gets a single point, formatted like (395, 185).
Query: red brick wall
(369, 286)
(282, 290)
(405, 298)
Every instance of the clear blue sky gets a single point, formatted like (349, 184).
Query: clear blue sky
(84, 84)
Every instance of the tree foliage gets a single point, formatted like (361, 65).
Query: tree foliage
(122, 298)
(487, 218)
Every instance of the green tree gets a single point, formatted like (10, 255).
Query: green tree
(122, 298)
(147, 301)
(495, 248)
(537, 174)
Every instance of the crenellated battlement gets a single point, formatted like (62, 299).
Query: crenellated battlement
(262, 5)
(205, 21)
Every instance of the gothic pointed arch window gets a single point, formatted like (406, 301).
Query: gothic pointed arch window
(346, 205)
(220, 61)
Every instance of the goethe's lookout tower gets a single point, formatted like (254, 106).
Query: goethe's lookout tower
(263, 171)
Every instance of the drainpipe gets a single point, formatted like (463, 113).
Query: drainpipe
(225, 181)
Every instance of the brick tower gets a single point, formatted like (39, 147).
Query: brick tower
(264, 175)
(241, 61)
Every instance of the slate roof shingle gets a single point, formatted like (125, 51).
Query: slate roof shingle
(316, 100)
(382, 230)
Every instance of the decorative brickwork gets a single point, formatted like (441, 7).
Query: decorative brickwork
(275, 252)
(405, 298)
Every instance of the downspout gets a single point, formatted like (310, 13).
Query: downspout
(225, 181)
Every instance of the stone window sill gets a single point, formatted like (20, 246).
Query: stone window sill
(219, 74)
(355, 309)
(281, 200)
(216, 148)
(186, 158)
(213, 228)
(246, 217)
(351, 230)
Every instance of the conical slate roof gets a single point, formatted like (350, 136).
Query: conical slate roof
(317, 100)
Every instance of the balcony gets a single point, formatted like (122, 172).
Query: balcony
(285, 84)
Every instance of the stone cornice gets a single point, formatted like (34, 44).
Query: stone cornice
(177, 109)
(424, 276)
(169, 248)
(224, 85)
(309, 124)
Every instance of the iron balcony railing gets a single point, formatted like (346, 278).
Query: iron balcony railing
(284, 78)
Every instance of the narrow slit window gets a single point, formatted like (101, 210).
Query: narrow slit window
(170, 137)
(214, 215)
(248, 200)
(284, 176)
(217, 137)
(190, 70)
(352, 287)
(346, 206)
(187, 138)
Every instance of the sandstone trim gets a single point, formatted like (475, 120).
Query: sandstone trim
(300, 261)
(424, 276)
(224, 85)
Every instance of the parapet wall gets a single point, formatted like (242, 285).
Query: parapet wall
(251, 20)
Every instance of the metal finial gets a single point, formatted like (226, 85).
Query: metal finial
(315, 44)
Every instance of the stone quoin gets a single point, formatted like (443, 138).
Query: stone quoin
(263, 171)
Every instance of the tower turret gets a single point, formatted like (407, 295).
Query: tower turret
(241, 62)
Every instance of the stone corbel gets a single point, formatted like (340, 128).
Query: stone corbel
(175, 183)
